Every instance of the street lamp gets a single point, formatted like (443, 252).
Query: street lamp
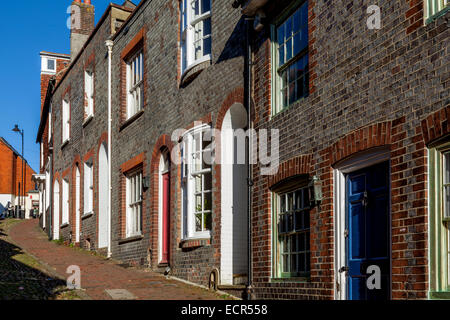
(16, 129)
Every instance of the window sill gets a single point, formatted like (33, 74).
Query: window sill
(289, 107)
(64, 225)
(87, 215)
(437, 15)
(443, 295)
(65, 143)
(131, 239)
(88, 120)
(193, 71)
(295, 279)
(131, 120)
(195, 243)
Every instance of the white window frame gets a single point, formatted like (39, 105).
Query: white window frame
(47, 186)
(65, 202)
(135, 84)
(439, 221)
(278, 245)
(89, 94)
(278, 104)
(189, 176)
(433, 8)
(44, 65)
(134, 204)
(189, 24)
(88, 186)
(65, 120)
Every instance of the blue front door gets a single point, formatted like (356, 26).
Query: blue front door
(367, 232)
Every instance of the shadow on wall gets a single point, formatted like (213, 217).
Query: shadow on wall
(19, 281)
(235, 45)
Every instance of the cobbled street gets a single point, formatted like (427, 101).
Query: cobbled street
(32, 268)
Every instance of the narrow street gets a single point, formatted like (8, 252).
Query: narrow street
(31, 267)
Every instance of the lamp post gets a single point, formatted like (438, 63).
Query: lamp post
(16, 129)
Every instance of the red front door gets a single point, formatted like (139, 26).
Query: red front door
(166, 218)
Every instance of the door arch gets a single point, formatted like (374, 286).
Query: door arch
(234, 171)
(56, 206)
(103, 186)
(164, 208)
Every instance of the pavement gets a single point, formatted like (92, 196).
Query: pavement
(101, 279)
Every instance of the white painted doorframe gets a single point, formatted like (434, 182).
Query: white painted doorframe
(357, 162)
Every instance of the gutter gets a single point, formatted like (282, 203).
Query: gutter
(248, 103)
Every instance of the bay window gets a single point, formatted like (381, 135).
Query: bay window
(290, 59)
(135, 84)
(197, 154)
(65, 121)
(134, 204)
(195, 32)
(88, 94)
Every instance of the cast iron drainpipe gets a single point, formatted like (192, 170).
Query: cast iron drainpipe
(109, 44)
(248, 102)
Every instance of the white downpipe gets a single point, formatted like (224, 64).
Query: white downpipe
(109, 45)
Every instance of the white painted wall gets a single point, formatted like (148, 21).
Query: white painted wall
(234, 242)
(4, 199)
(103, 186)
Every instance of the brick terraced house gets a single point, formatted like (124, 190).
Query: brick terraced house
(361, 116)
(364, 113)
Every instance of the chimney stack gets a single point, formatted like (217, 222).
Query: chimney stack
(82, 24)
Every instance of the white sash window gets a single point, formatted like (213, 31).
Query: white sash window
(135, 84)
(195, 32)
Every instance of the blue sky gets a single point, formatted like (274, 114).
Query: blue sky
(29, 27)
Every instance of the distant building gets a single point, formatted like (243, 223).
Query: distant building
(11, 177)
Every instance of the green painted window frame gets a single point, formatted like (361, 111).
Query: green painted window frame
(434, 9)
(438, 224)
(277, 273)
(276, 106)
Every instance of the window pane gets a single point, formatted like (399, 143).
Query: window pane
(208, 201)
(288, 49)
(208, 221)
(51, 64)
(198, 223)
(447, 201)
(206, 6)
(447, 168)
(207, 46)
(208, 181)
(198, 203)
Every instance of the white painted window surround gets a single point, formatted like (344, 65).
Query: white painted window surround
(50, 133)
(65, 202)
(434, 7)
(195, 33)
(66, 120)
(88, 182)
(134, 205)
(135, 84)
(359, 161)
(48, 65)
(88, 94)
(197, 183)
